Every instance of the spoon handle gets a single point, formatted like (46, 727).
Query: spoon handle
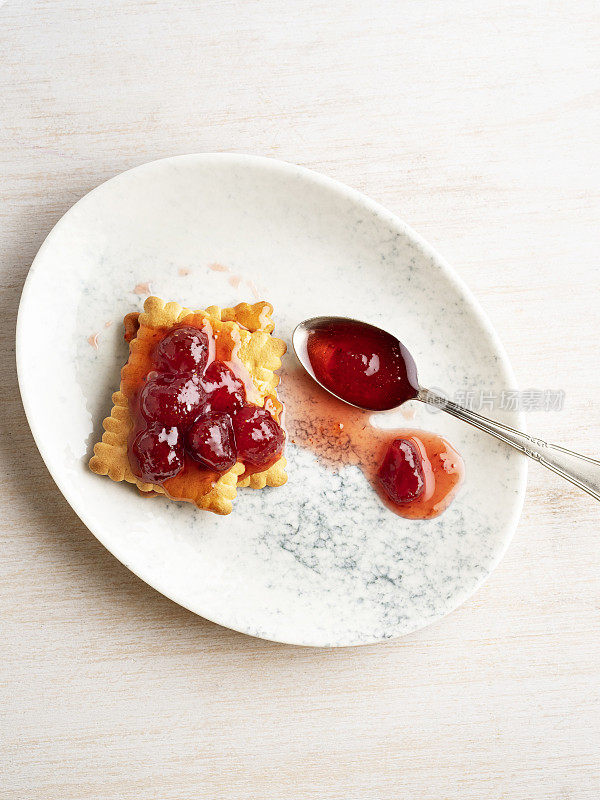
(580, 470)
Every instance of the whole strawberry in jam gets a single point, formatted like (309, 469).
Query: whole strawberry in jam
(211, 442)
(260, 440)
(401, 473)
(172, 400)
(183, 350)
(225, 391)
(157, 453)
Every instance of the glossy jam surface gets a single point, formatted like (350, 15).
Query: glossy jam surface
(190, 400)
(184, 350)
(341, 436)
(156, 453)
(401, 474)
(259, 438)
(442, 469)
(172, 399)
(211, 442)
(224, 390)
(362, 364)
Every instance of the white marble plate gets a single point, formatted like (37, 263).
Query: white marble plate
(320, 561)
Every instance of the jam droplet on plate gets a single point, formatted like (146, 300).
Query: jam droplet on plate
(260, 440)
(182, 350)
(211, 442)
(156, 453)
(172, 400)
(362, 364)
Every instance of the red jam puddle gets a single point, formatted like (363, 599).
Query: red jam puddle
(191, 400)
(340, 436)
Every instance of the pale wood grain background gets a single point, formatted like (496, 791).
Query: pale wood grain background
(479, 124)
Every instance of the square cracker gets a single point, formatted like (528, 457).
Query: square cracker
(261, 354)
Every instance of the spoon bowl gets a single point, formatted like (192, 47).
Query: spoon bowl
(358, 363)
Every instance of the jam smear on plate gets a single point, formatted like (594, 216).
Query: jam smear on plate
(417, 474)
(191, 404)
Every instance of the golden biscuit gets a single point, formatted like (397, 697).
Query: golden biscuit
(244, 332)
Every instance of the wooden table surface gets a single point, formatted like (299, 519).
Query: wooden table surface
(477, 123)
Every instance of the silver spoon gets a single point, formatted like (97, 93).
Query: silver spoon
(580, 470)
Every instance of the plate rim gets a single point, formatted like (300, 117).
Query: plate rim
(389, 217)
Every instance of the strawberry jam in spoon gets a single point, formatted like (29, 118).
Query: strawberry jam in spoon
(360, 364)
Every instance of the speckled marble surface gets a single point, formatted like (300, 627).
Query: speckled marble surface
(319, 561)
